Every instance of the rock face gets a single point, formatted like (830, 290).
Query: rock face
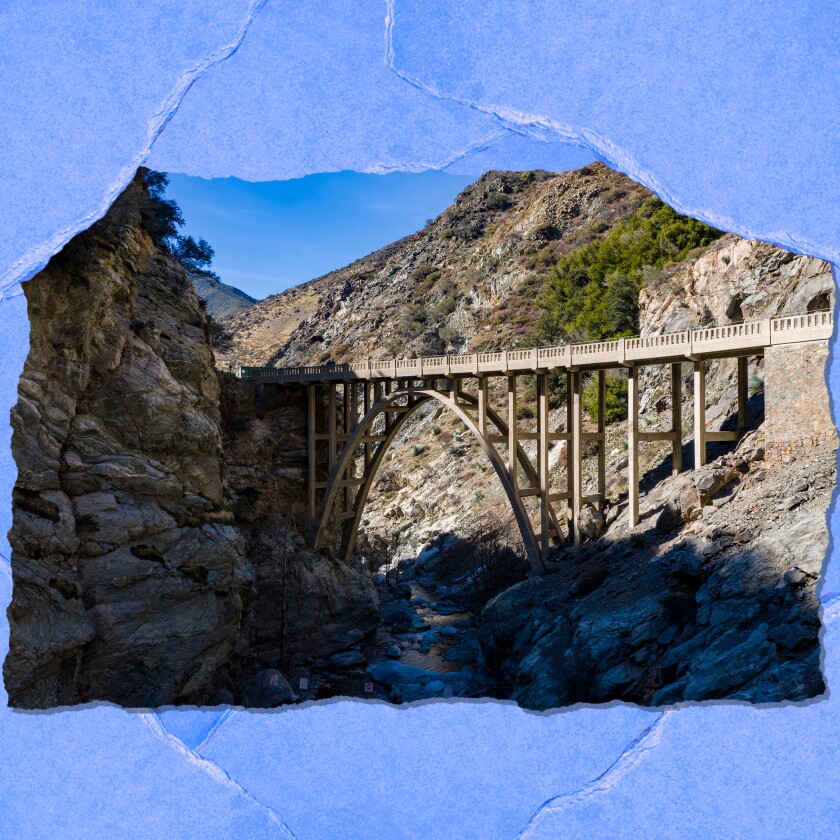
(711, 596)
(797, 418)
(305, 605)
(127, 570)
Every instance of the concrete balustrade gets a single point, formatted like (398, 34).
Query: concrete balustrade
(749, 337)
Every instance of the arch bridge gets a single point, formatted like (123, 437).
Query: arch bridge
(369, 401)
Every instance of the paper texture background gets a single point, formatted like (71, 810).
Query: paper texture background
(729, 111)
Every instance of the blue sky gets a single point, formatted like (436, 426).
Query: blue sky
(275, 234)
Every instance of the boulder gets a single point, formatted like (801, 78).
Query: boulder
(795, 577)
(268, 689)
(591, 522)
(347, 659)
(668, 518)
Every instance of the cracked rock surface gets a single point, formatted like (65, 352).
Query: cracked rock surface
(127, 570)
(712, 596)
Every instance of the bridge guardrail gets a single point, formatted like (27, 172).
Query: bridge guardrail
(810, 327)
(748, 335)
(657, 346)
(598, 352)
(731, 337)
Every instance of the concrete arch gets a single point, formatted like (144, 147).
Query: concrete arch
(416, 397)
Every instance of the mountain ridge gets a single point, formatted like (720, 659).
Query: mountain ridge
(469, 280)
(221, 300)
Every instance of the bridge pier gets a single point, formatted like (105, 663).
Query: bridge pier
(633, 446)
(312, 458)
(602, 440)
(676, 417)
(699, 413)
(542, 460)
(743, 394)
(574, 459)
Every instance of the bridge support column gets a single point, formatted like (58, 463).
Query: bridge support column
(542, 461)
(332, 429)
(354, 405)
(633, 447)
(482, 405)
(676, 417)
(602, 440)
(311, 429)
(575, 457)
(699, 413)
(454, 388)
(348, 422)
(368, 403)
(386, 390)
(743, 395)
(513, 432)
(570, 461)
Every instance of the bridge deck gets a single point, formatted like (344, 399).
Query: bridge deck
(744, 339)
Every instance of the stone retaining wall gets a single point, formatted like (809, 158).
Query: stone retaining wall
(796, 402)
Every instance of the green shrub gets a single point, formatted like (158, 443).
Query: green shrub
(592, 292)
(615, 397)
(497, 201)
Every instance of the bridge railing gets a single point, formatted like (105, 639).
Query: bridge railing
(746, 336)
(793, 328)
(598, 352)
(657, 346)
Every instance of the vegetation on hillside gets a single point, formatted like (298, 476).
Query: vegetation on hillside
(615, 396)
(592, 293)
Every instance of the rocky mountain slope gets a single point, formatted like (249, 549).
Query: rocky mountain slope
(713, 595)
(220, 299)
(468, 281)
(436, 476)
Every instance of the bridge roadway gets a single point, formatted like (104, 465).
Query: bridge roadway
(379, 395)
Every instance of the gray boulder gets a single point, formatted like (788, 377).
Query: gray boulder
(268, 689)
(591, 522)
(347, 659)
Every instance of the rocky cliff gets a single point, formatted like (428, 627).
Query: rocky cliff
(127, 569)
(150, 567)
(305, 604)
